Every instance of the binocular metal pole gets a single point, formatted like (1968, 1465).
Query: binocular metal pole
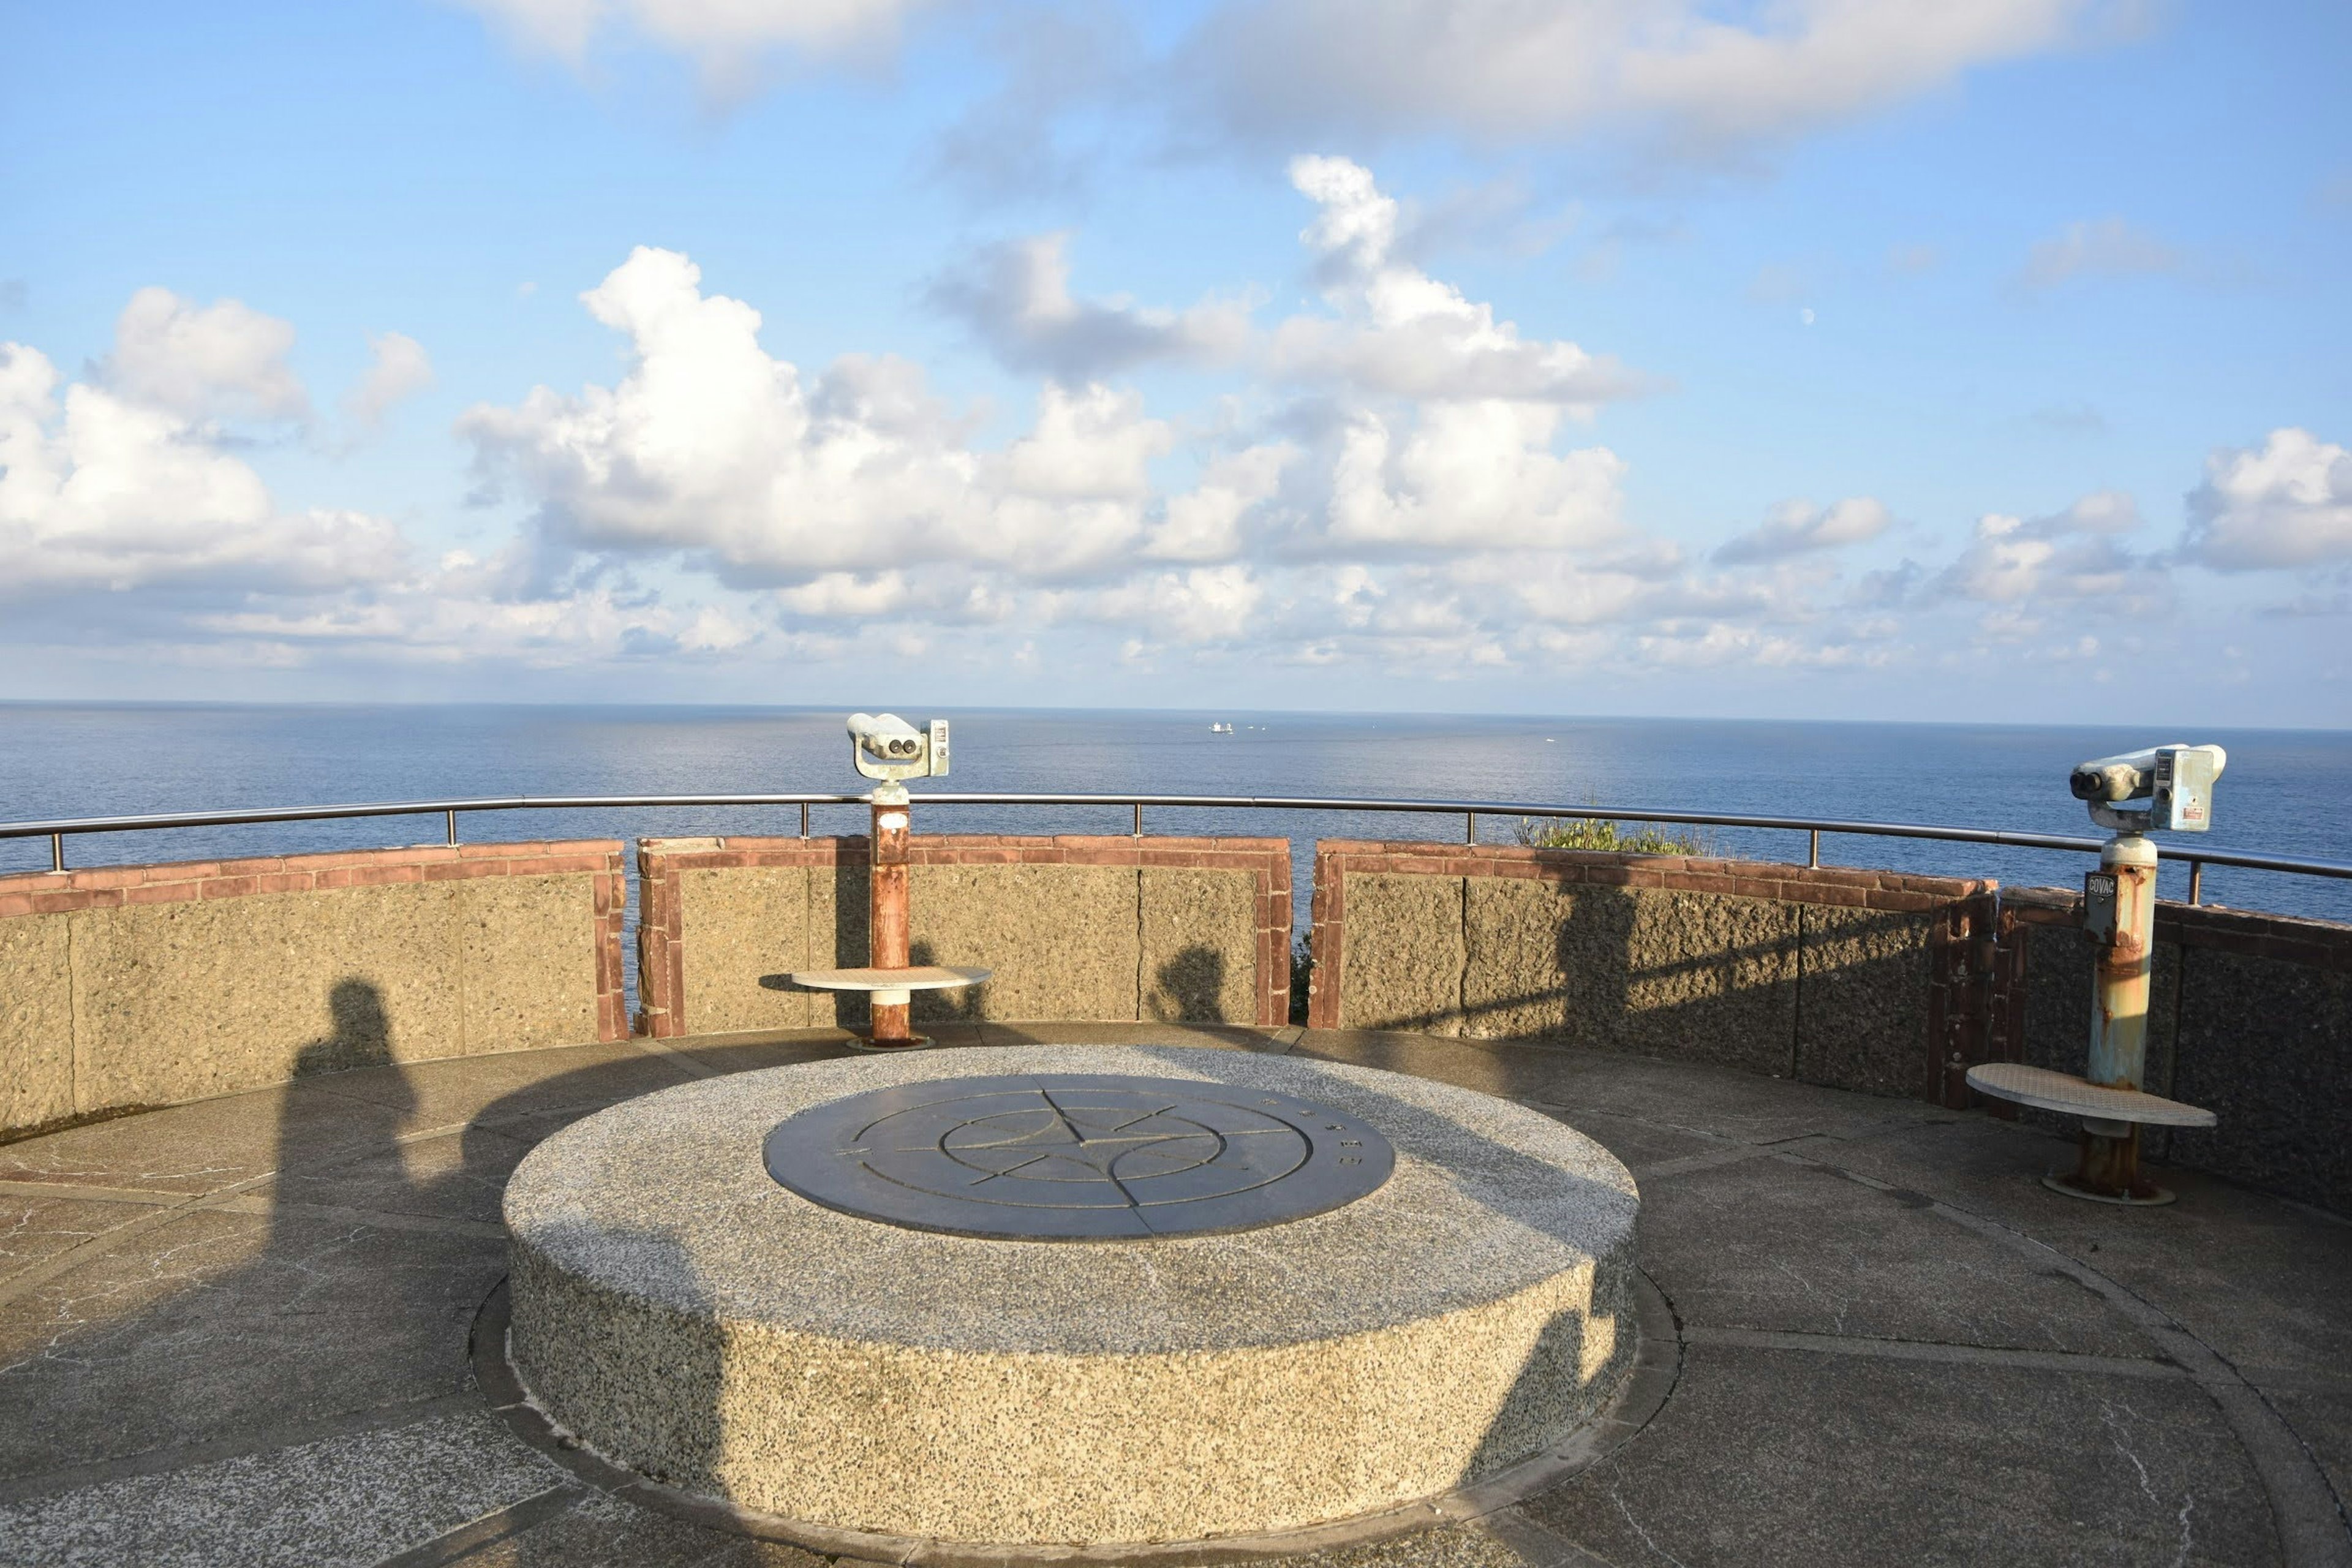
(2110, 1167)
(887, 922)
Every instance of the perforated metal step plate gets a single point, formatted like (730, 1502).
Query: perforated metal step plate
(2072, 1096)
(926, 978)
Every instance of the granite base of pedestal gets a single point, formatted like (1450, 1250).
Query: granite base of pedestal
(680, 1312)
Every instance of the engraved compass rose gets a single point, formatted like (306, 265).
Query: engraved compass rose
(1078, 1156)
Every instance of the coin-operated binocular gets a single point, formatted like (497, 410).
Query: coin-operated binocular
(2168, 788)
(887, 747)
(891, 750)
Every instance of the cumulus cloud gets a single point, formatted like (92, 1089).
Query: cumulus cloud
(711, 448)
(398, 369)
(223, 360)
(98, 490)
(2071, 555)
(1698, 76)
(1015, 297)
(2287, 504)
(1400, 332)
(1799, 528)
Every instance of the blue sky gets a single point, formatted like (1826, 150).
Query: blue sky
(1985, 359)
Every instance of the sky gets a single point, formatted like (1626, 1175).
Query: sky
(1977, 360)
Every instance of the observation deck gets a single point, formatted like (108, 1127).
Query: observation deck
(263, 1113)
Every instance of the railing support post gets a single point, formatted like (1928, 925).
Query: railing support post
(804, 819)
(1136, 831)
(57, 851)
(1813, 849)
(2197, 881)
(1469, 828)
(453, 827)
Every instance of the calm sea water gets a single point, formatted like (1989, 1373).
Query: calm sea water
(2286, 791)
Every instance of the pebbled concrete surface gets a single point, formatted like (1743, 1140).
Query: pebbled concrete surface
(185, 1330)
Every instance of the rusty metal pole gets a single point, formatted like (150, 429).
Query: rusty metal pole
(2125, 931)
(887, 913)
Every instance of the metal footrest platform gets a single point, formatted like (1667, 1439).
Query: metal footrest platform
(889, 986)
(2071, 1096)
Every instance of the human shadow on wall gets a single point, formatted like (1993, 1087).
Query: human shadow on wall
(1191, 989)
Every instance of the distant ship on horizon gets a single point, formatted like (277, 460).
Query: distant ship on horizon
(1220, 728)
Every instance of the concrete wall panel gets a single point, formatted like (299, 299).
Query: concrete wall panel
(1112, 929)
(1064, 939)
(1200, 945)
(1690, 959)
(1401, 968)
(212, 976)
(2266, 1045)
(529, 963)
(745, 930)
(1862, 1010)
(1710, 978)
(35, 1020)
(181, 1000)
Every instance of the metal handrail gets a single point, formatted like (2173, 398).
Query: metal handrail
(1469, 810)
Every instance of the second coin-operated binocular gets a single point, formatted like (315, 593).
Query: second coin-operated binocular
(887, 747)
(2177, 783)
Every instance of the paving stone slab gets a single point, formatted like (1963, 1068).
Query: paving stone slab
(2322, 1417)
(1765, 1458)
(2259, 1280)
(349, 1500)
(34, 1228)
(457, 1175)
(203, 1146)
(1211, 1035)
(1769, 1244)
(458, 1089)
(213, 1322)
(601, 1529)
(1640, 1144)
(1724, 1101)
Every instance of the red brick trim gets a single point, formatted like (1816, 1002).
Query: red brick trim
(664, 1007)
(112, 887)
(1894, 891)
(2291, 939)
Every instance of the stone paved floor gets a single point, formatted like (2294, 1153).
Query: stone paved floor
(236, 1332)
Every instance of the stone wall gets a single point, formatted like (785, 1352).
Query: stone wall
(1862, 980)
(2250, 1016)
(1176, 930)
(149, 985)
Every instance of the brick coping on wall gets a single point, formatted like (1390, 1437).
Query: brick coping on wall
(661, 968)
(2250, 934)
(1957, 998)
(188, 882)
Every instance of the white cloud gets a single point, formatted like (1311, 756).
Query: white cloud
(2106, 248)
(1205, 604)
(398, 369)
(100, 491)
(220, 361)
(1015, 297)
(709, 446)
(1472, 476)
(1206, 524)
(729, 40)
(1402, 333)
(2287, 504)
(1699, 76)
(2072, 555)
(1799, 527)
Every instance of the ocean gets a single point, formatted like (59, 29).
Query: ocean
(2285, 792)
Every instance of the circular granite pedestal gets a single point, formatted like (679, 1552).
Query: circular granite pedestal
(681, 1312)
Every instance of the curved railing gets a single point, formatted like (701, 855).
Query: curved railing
(2195, 858)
